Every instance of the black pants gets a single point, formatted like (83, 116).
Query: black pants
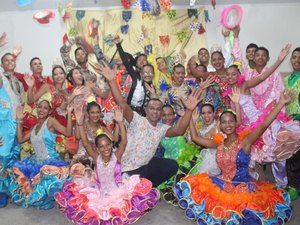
(157, 170)
(293, 170)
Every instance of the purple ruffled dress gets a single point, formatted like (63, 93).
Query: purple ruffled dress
(103, 197)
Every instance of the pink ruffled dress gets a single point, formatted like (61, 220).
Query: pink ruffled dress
(103, 197)
(279, 142)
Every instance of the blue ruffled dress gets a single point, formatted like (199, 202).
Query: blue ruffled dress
(36, 179)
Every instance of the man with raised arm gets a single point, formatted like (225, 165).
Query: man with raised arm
(145, 133)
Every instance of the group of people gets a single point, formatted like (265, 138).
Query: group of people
(106, 140)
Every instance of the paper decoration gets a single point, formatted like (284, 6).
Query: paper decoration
(231, 16)
(201, 29)
(23, 2)
(60, 8)
(65, 39)
(108, 40)
(171, 14)
(195, 26)
(206, 14)
(44, 16)
(80, 14)
(124, 29)
(192, 3)
(93, 27)
(193, 12)
(166, 4)
(72, 32)
(182, 35)
(126, 4)
(126, 15)
(164, 40)
(213, 3)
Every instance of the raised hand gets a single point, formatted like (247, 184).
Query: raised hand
(78, 110)
(17, 50)
(3, 39)
(70, 108)
(19, 113)
(195, 115)
(235, 95)
(29, 80)
(150, 88)
(284, 52)
(80, 91)
(118, 114)
(106, 71)
(286, 97)
(192, 101)
(208, 82)
(116, 39)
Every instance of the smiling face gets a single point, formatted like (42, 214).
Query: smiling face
(203, 56)
(43, 109)
(104, 146)
(217, 61)
(207, 114)
(250, 52)
(59, 76)
(80, 56)
(227, 123)
(261, 58)
(295, 61)
(94, 114)
(77, 77)
(231, 75)
(36, 66)
(178, 76)
(141, 61)
(167, 115)
(153, 111)
(147, 74)
(8, 63)
(161, 64)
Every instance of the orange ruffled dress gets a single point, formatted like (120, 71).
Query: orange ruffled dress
(233, 197)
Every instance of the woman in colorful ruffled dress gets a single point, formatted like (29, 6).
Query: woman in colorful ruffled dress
(93, 123)
(281, 140)
(35, 179)
(208, 162)
(104, 197)
(234, 197)
(186, 155)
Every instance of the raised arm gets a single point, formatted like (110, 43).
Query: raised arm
(258, 79)
(235, 98)
(20, 137)
(285, 98)
(79, 125)
(190, 104)
(67, 131)
(65, 55)
(206, 142)
(110, 74)
(123, 142)
(34, 97)
(196, 73)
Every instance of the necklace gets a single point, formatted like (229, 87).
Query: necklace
(105, 164)
(227, 149)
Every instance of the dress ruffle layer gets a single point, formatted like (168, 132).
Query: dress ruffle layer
(84, 203)
(35, 184)
(210, 200)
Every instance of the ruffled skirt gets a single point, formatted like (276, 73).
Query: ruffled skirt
(34, 184)
(210, 200)
(85, 204)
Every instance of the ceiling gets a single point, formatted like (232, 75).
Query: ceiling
(11, 5)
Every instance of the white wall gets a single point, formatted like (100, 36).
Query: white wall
(269, 25)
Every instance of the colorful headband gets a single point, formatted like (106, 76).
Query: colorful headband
(208, 101)
(46, 97)
(100, 131)
(238, 64)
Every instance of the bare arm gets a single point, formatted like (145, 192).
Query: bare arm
(253, 136)
(20, 137)
(110, 74)
(123, 142)
(258, 79)
(196, 73)
(67, 131)
(99, 91)
(206, 142)
(190, 104)
(235, 98)
(34, 97)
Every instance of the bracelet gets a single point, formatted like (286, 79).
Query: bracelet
(19, 121)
